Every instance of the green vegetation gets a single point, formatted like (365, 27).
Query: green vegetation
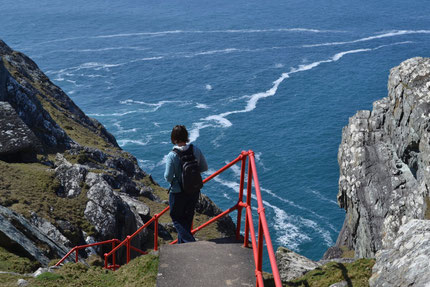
(28, 187)
(356, 274)
(14, 263)
(141, 271)
(347, 253)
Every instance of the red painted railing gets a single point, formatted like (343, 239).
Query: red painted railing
(77, 248)
(256, 241)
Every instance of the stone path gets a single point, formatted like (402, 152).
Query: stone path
(217, 263)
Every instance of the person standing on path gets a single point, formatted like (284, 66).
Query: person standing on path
(182, 204)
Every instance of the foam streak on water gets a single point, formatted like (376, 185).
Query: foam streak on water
(221, 119)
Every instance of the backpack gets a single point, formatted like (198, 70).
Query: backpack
(191, 179)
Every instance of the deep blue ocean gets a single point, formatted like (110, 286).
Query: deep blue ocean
(278, 77)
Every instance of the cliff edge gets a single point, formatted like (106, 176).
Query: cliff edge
(384, 179)
(64, 181)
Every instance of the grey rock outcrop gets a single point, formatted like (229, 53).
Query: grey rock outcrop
(384, 160)
(29, 91)
(17, 233)
(407, 261)
(206, 206)
(49, 230)
(16, 138)
(111, 216)
(292, 265)
(71, 176)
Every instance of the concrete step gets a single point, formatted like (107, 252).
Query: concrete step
(221, 262)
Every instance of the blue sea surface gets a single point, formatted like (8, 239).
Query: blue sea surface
(278, 77)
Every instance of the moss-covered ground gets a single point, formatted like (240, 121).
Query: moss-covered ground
(27, 187)
(141, 271)
(13, 263)
(356, 274)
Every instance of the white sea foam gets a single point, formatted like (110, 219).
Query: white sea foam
(208, 87)
(147, 165)
(202, 106)
(163, 33)
(121, 130)
(146, 59)
(322, 197)
(154, 106)
(163, 161)
(124, 142)
(113, 114)
(379, 36)
(279, 65)
(252, 100)
(170, 32)
(289, 228)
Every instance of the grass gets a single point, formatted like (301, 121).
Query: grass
(14, 263)
(347, 253)
(27, 187)
(141, 271)
(356, 274)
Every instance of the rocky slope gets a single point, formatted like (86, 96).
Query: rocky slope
(384, 179)
(64, 180)
(384, 161)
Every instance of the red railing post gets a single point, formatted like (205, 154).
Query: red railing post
(113, 256)
(264, 227)
(242, 180)
(248, 202)
(106, 261)
(156, 233)
(77, 255)
(128, 248)
(260, 246)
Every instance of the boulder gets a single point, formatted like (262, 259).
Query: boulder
(292, 265)
(407, 259)
(71, 176)
(49, 230)
(21, 236)
(206, 206)
(111, 216)
(16, 138)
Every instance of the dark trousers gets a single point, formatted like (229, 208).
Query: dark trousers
(182, 212)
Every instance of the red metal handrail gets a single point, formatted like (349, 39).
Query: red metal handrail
(257, 246)
(77, 248)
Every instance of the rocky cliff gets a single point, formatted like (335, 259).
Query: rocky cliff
(384, 161)
(64, 181)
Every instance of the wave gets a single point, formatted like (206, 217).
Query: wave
(147, 165)
(202, 106)
(290, 228)
(322, 197)
(155, 106)
(89, 65)
(379, 36)
(121, 130)
(170, 32)
(125, 142)
(251, 104)
(208, 87)
(162, 33)
(112, 114)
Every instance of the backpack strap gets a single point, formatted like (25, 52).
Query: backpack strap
(180, 153)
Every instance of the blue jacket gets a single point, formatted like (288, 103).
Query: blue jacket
(173, 170)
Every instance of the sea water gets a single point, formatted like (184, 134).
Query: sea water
(278, 77)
